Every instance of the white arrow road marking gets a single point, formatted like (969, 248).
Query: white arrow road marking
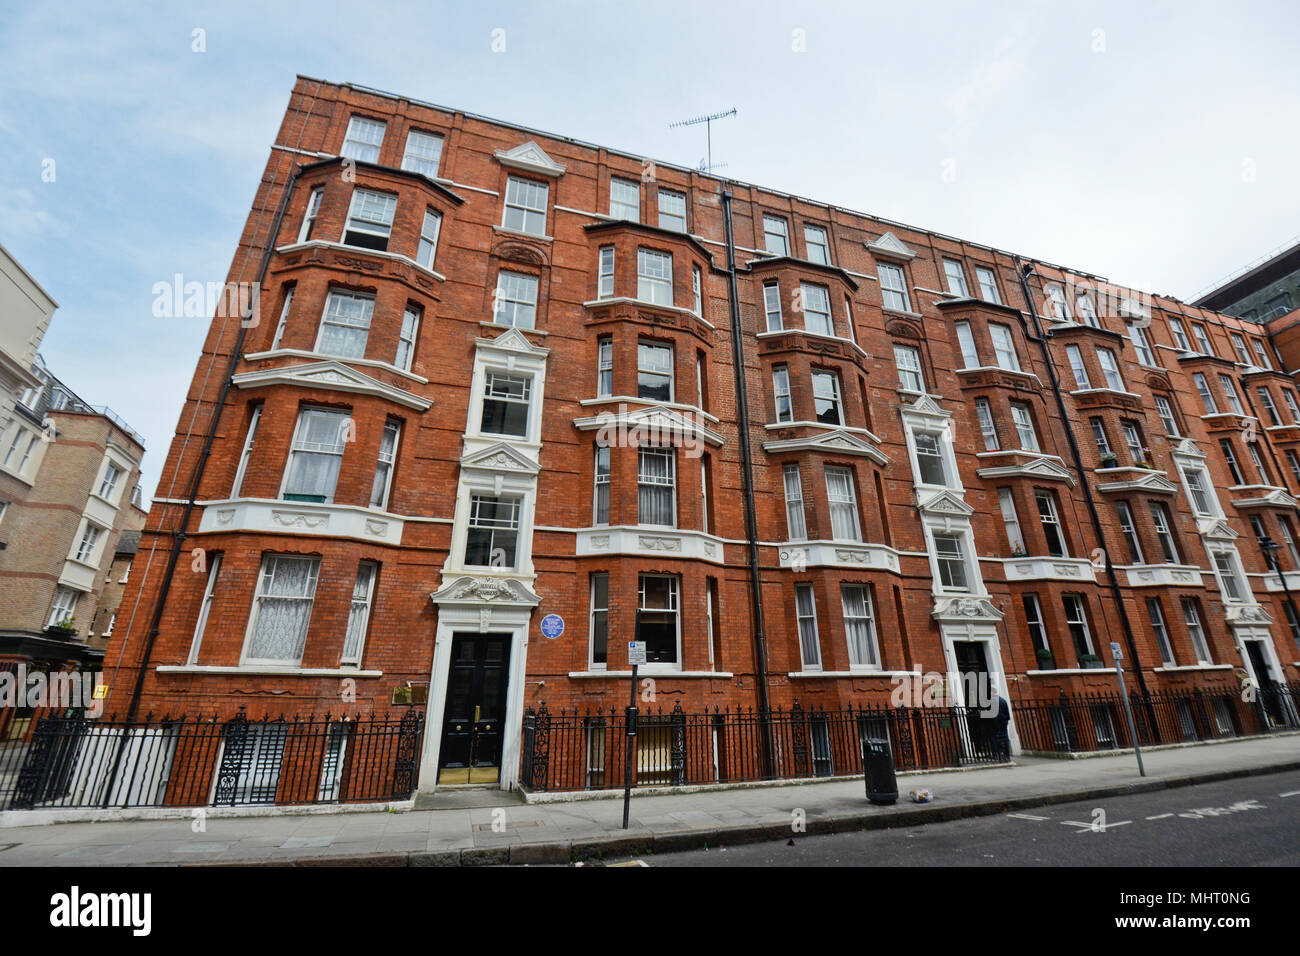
(1100, 827)
(1290, 793)
(1160, 816)
(1027, 816)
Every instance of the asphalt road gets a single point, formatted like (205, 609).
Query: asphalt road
(1253, 821)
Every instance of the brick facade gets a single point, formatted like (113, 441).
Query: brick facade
(881, 538)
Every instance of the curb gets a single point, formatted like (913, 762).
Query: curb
(561, 852)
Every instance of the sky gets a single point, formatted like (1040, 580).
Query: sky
(1152, 143)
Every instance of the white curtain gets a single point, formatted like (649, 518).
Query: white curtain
(284, 605)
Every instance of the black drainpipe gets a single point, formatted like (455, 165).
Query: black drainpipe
(747, 476)
(179, 536)
(1024, 271)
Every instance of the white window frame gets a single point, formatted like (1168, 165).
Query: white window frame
(860, 617)
(893, 290)
(1051, 519)
(1110, 369)
(620, 206)
(645, 349)
(205, 607)
(363, 139)
(299, 447)
(988, 283)
(782, 234)
(605, 273)
(820, 376)
(1128, 528)
(407, 337)
(1078, 367)
(520, 202)
(594, 609)
(357, 327)
(772, 306)
(370, 213)
(283, 323)
(816, 301)
(811, 241)
(988, 427)
(780, 392)
(514, 505)
(311, 214)
(382, 486)
(359, 610)
(1011, 521)
(674, 608)
(970, 355)
(511, 299)
(260, 597)
(661, 484)
(796, 524)
(1196, 631)
(654, 276)
(911, 376)
(1156, 615)
(1207, 396)
(418, 155)
(430, 230)
(955, 275)
(667, 217)
(1024, 422)
(246, 452)
(842, 503)
(604, 366)
(805, 610)
(600, 496)
(1004, 351)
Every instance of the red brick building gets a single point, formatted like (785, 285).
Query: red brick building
(493, 378)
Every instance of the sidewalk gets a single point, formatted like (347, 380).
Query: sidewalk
(557, 832)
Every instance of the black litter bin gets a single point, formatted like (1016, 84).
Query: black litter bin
(878, 771)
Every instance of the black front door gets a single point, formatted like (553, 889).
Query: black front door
(475, 709)
(1267, 688)
(972, 670)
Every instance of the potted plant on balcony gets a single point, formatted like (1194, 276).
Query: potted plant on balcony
(1090, 662)
(1046, 662)
(1109, 460)
(67, 627)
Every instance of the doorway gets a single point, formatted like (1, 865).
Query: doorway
(1264, 681)
(474, 715)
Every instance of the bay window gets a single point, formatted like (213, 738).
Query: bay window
(317, 452)
(370, 219)
(493, 536)
(860, 626)
(843, 504)
(656, 487)
(659, 624)
(345, 326)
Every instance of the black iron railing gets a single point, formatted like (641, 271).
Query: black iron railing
(1085, 723)
(588, 751)
(189, 762)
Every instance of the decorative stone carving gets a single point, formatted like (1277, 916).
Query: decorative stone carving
(299, 519)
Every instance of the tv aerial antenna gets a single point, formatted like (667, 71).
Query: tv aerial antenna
(707, 164)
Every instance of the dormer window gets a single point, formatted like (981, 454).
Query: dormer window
(370, 219)
(525, 206)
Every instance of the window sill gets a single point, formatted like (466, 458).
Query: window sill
(1072, 670)
(651, 670)
(503, 231)
(649, 402)
(266, 670)
(816, 335)
(1166, 668)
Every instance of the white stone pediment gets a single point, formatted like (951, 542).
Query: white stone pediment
(652, 424)
(1189, 449)
(513, 340)
(925, 407)
(965, 609)
(469, 589)
(1150, 483)
(500, 457)
(531, 157)
(333, 375)
(890, 246)
(945, 503)
(1041, 468)
(1216, 528)
(1246, 614)
(1275, 498)
(838, 442)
